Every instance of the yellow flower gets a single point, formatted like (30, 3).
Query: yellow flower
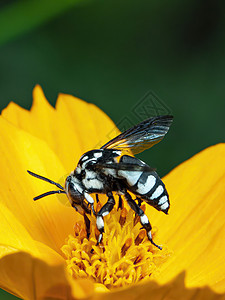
(44, 253)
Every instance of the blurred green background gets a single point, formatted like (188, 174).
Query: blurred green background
(112, 53)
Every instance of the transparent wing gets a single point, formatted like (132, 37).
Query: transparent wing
(142, 136)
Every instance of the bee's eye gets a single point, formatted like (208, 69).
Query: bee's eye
(90, 165)
(82, 174)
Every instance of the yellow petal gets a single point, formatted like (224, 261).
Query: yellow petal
(30, 278)
(71, 129)
(43, 225)
(35, 228)
(47, 220)
(85, 126)
(195, 227)
(26, 264)
(194, 230)
(14, 237)
(39, 121)
(175, 289)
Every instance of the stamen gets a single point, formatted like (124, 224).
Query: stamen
(125, 256)
(126, 246)
(77, 228)
(83, 234)
(140, 237)
(123, 216)
(98, 207)
(96, 233)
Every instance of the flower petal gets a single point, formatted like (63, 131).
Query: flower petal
(175, 289)
(39, 121)
(71, 129)
(30, 278)
(16, 266)
(47, 220)
(84, 126)
(14, 237)
(195, 227)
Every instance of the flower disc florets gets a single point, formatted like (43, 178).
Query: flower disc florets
(125, 256)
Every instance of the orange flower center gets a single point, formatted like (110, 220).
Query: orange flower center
(124, 257)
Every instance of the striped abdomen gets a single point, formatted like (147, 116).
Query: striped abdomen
(145, 184)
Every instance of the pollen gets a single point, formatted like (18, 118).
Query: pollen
(124, 257)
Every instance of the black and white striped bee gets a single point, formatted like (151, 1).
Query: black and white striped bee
(109, 169)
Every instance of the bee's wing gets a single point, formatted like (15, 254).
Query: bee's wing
(124, 166)
(142, 136)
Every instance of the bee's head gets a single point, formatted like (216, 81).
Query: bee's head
(74, 190)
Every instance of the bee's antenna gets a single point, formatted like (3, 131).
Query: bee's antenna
(48, 193)
(61, 191)
(46, 179)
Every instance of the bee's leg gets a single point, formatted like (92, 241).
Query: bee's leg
(97, 198)
(119, 192)
(90, 200)
(139, 201)
(104, 211)
(87, 225)
(74, 206)
(143, 218)
(120, 204)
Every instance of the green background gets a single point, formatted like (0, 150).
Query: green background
(112, 53)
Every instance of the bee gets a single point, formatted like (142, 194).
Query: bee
(111, 169)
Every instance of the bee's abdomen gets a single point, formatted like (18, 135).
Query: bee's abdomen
(146, 184)
(151, 189)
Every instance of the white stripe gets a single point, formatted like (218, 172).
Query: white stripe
(87, 162)
(78, 170)
(157, 192)
(117, 152)
(76, 184)
(97, 155)
(90, 183)
(88, 198)
(108, 171)
(105, 213)
(99, 222)
(165, 206)
(85, 158)
(131, 176)
(162, 200)
(144, 220)
(150, 235)
(147, 186)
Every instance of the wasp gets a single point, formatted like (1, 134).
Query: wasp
(111, 169)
